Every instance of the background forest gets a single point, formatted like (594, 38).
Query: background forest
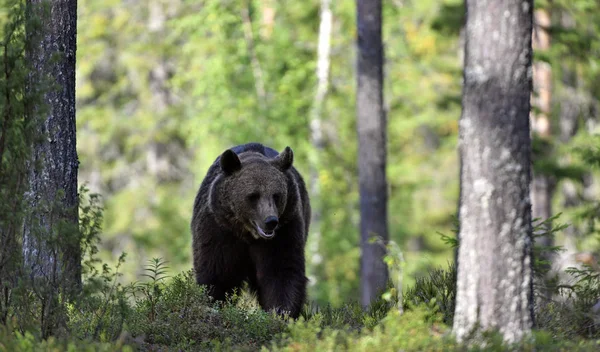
(162, 91)
(163, 87)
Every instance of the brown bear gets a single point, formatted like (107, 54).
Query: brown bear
(250, 223)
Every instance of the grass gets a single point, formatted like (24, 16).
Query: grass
(175, 314)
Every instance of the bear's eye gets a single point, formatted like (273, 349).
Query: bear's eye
(253, 197)
(277, 197)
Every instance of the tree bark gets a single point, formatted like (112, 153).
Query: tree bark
(494, 288)
(51, 241)
(371, 127)
(316, 129)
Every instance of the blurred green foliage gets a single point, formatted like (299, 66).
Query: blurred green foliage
(164, 87)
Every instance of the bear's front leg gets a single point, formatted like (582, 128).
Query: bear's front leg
(215, 287)
(280, 276)
(221, 267)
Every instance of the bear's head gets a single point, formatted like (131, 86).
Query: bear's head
(254, 190)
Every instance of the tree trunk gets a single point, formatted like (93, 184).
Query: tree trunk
(494, 288)
(257, 72)
(542, 186)
(51, 241)
(316, 131)
(371, 127)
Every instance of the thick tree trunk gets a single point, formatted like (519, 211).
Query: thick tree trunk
(51, 247)
(371, 127)
(494, 288)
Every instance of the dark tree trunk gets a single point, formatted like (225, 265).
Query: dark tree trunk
(371, 126)
(51, 241)
(494, 288)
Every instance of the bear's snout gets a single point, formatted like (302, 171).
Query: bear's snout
(271, 223)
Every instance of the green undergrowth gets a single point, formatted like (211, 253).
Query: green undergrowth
(170, 312)
(174, 314)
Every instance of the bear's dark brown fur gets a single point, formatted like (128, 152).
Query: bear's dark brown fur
(250, 223)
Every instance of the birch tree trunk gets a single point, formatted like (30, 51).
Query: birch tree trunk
(371, 126)
(316, 131)
(494, 288)
(257, 72)
(51, 241)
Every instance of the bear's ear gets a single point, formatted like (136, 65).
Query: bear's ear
(230, 162)
(284, 160)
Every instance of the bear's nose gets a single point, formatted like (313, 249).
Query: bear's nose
(271, 223)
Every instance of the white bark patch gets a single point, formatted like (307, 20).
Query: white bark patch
(476, 74)
(483, 189)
